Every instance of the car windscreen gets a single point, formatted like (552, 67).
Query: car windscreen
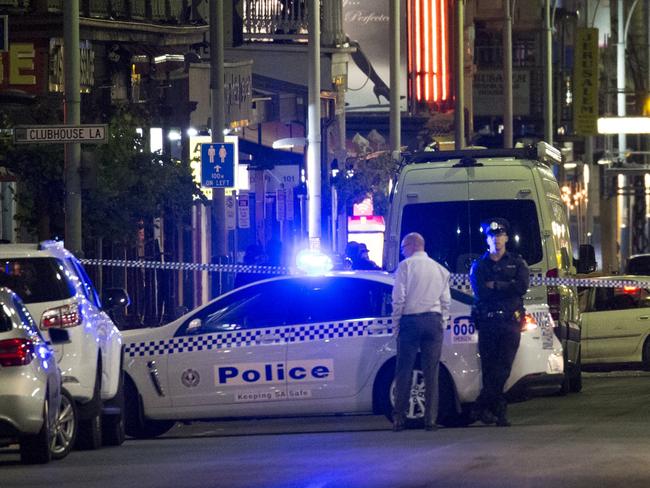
(452, 229)
(35, 280)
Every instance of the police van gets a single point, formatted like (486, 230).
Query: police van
(310, 345)
(445, 195)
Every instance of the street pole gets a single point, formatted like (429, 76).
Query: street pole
(548, 78)
(620, 73)
(72, 116)
(459, 112)
(218, 123)
(507, 76)
(394, 40)
(313, 127)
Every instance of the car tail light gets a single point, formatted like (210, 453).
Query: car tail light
(16, 352)
(529, 323)
(61, 317)
(553, 296)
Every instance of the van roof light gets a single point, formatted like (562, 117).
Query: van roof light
(548, 153)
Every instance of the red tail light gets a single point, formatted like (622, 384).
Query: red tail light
(553, 296)
(61, 317)
(16, 352)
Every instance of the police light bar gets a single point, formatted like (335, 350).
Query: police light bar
(546, 152)
(312, 261)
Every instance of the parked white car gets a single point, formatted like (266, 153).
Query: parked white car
(307, 345)
(34, 411)
(58, 293)
(615, 323)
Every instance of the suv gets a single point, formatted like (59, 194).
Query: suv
(59, 295)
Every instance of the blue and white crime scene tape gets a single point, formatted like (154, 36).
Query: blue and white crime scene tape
(458, 281)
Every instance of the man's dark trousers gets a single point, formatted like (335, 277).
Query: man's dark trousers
(497, 344)
(421, 332)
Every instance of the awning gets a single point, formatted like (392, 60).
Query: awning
(265, 156)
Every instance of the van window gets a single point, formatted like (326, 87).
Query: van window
(452, 229)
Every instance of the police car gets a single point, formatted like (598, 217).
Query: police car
(303, 345)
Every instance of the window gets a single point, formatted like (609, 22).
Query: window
(5, 321)
(86, 283)
(35, 279)
(452, 229)
(259, 306)
(335, 299)
(621, 298)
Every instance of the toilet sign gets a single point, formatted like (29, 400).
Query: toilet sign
(218, 165)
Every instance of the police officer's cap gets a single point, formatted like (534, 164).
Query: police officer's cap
(495, 226)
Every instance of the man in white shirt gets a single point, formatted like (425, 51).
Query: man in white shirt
(421, 299)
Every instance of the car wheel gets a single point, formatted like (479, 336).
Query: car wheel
(448, 414)
(646, 355)
(575, 377)
(89, 435)
(65, 431)
(35, 449)
(113, 433)
(136, 425)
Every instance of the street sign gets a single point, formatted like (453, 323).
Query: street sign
(243, 210)
(52, 134)
(231, 218)
(218, 165)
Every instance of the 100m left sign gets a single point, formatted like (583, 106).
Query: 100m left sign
(52, 134)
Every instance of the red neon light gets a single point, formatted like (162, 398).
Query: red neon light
(430, 49)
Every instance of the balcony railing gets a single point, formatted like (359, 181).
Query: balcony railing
(168, 11)
(275, 19)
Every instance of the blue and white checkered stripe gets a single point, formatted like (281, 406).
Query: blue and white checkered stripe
(244, 338)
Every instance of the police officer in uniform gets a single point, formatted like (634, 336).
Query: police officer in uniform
(499, 280)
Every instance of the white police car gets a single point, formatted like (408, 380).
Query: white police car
(301, 345)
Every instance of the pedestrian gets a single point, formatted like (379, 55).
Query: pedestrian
(499, 280)
(363, 260)
(421, 300)
(253, 257)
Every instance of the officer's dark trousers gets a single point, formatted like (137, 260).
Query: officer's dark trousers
(418, 332)
(497, 344)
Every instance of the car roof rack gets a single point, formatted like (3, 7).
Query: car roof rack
(542, 152)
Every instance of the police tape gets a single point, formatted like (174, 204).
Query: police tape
(457, 280)
(177, 266)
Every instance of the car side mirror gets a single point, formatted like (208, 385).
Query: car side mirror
(115, 298)
(586, 259)
(59, 336)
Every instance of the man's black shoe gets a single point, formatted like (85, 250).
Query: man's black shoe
(487, 417)
(398, 424)
(430, 427)
(503, 422)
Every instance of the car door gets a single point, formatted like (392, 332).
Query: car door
(615, 324)
(344, 333)
(233, 351)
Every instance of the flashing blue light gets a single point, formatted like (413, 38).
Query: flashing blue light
(312, 261)
(43, 352)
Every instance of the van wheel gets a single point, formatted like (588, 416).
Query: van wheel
(646, 355)
(575, 380)
(136, 424)
(113, 432)
(89, 435)
(65, 431)
(35, 449)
